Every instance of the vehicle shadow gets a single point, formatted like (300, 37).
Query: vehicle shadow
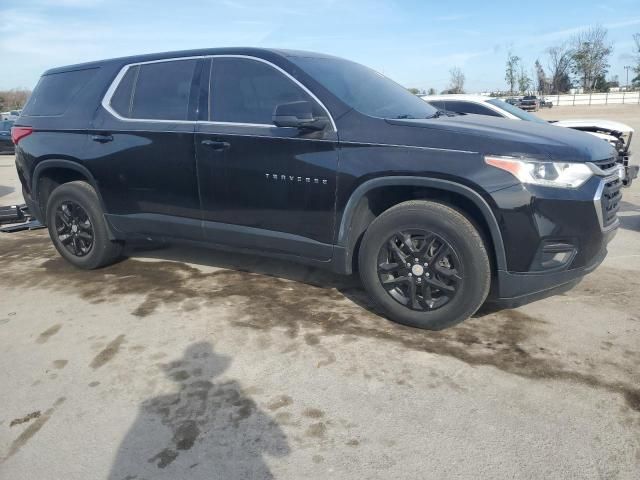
(207, 429)
(630, 218)
(5, 190)
(348, 285)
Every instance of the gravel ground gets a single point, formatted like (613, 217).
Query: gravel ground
(193, 364)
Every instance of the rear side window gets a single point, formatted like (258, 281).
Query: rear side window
(248, 91)
(161, 90)
(55, 92)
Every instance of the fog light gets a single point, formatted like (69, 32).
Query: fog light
(553, 255)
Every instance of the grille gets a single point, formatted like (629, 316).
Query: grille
(607, 163)
(611, 197)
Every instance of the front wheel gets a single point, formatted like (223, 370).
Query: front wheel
(425, 264)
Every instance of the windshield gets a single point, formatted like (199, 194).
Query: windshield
(518, 112)
(365, 90)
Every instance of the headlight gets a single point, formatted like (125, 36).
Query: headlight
(536, 172)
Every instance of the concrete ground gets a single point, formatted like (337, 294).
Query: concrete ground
(185, 363)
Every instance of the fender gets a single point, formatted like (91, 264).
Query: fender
(470, 194)
(70, 165)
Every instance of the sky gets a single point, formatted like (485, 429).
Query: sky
(413, 42)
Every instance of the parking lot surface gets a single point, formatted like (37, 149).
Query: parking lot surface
(191, 363)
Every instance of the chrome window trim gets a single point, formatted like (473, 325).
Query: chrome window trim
(106, 100)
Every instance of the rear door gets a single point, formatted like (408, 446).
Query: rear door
(142, 150)
(264, 186)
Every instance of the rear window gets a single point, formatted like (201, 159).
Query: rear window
(55, 92)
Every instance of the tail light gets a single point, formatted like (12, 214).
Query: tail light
(18, 133)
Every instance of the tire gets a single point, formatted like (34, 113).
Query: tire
(455, 258)
(73, 210)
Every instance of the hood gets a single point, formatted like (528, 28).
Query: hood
(596, 124)
(497, 136)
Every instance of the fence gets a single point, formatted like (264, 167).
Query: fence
(632, 98)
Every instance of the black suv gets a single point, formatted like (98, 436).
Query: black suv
(314, 158)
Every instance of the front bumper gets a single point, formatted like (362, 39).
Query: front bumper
(553, 237)
(520, 288)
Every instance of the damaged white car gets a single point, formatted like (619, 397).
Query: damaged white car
(616, 133)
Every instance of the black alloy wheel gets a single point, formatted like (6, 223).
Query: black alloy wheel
(419, 269)
(74, 228)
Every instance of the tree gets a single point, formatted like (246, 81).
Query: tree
(432, 91)
(415, 91)
(541, 78)
(14, 99)
(456, 81)
(591, 51)
(601, 84)
(511, 75)
(524, 81)
(559, 65)
(636, 56)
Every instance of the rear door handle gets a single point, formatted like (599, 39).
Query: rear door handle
(216, 145)
(102, 138)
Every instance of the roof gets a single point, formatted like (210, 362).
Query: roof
(249, 51)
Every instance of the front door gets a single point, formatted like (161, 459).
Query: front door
(263, 186)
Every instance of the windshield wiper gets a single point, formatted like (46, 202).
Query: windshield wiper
(442, 113)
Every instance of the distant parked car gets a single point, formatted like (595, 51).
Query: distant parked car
(545, 104)
(530, 103)
(6, 145)
(513, 101)
(616, 133)
(10, 115)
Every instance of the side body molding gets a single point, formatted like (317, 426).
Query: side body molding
(447, 185)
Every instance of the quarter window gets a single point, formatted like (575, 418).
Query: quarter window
(248, 91)
(121, 100)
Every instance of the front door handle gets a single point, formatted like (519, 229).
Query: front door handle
(216, 145)
(100, 138)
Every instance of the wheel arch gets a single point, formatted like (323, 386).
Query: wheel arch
(58, 169)
(51, 173)
(358, 212)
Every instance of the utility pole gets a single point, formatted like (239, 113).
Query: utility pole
(627, 68)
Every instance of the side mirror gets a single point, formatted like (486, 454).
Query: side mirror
(297, 115)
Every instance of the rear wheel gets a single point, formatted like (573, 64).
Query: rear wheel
(77, 227)
(425, 264)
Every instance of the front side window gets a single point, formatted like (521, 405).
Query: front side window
(155, 91)
(248, 91)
